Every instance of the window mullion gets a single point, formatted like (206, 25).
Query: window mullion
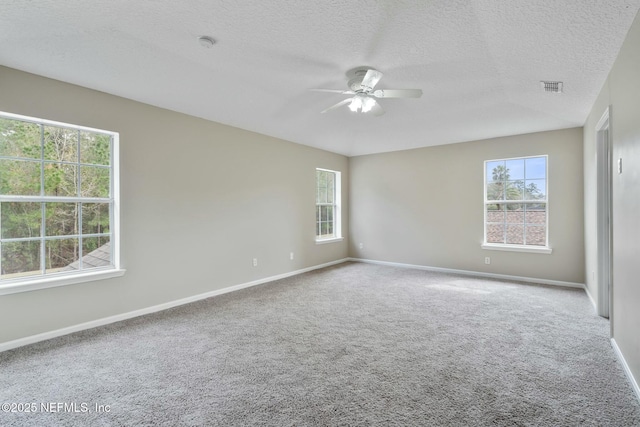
(43, 208)
(43, 230)
(79, 204)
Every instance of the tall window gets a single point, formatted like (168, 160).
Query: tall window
(515, 200)
(327, 205)
(56, 199)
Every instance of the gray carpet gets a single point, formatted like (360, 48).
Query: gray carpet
(351, 345)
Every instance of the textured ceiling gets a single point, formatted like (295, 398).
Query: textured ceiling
(479, 62)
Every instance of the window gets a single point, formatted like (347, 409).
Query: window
(57, 200)
(327, 205)
(515, 200)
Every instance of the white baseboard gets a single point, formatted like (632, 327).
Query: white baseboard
(153, 309)
(474, 273)
(627, 371)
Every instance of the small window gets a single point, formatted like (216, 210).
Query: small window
(57, 199)
(515, 203)
(327, 205)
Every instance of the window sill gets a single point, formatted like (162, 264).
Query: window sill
(331, 240)
(517, 248)
(26, 285)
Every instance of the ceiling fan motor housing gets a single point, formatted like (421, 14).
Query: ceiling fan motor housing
(356, 77)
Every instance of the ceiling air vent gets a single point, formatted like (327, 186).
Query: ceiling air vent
(552, 87)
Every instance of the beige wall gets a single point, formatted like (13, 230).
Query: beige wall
(425, 206)
(622, 93)
(199, 201)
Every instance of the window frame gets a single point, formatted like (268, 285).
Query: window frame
(44, 280)
(546, 249)
(337, 211)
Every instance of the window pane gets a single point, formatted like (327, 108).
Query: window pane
(62, 219)
(19, 178)
(495, 171)
(495, 191)
(96, 252)
(20, 220)
(60, 180)
(536, 168)
(322, 195)
(324, 213)
(60, 253)
(515, 214)
(95, 181)
(95, 218)
(514, 190)
(515, 234)
(495, 233)
(324, 228)
(495, 213)
(535, 189)
(330, 229)
(515, 169)
(19, 139)
(536, 235)
(535, 214)
(60, 144)
(95, 148)
(20, 259)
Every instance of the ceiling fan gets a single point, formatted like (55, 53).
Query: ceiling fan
(362, 81)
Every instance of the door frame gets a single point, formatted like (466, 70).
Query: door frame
(604, 215)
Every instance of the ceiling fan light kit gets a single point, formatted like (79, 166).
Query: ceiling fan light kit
(361, 83)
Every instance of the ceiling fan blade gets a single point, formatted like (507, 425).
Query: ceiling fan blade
(343, 92)
(398, 93)
(371, 79)
(339, 104)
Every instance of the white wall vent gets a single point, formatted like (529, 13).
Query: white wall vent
(553, 87)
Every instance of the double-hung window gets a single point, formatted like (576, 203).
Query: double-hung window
(327, 205)
(516, 205)
(58, 202)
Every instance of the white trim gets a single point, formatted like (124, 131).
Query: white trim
(115, 186)
(43, 281)
(603, 213)
(627, 371)
(53, 123)
(337, 206)
(517, 248)
(604, 119)
(475, 273)
(51, 281)
(330, 240)
(153, 309)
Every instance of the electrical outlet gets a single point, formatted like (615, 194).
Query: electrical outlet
(361, 246)
(291, 256)
(487, 260)
(255, 262)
